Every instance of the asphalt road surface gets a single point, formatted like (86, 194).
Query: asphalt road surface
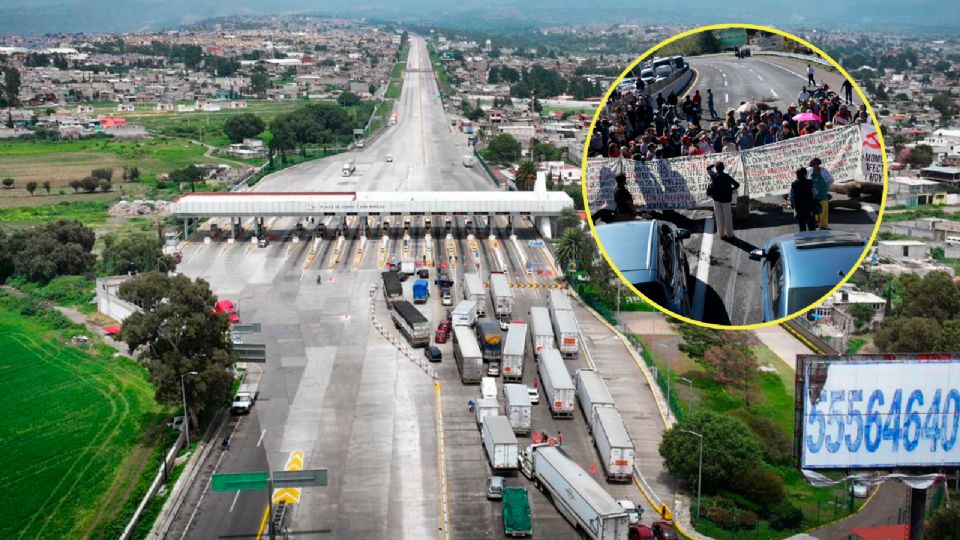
(335, 389)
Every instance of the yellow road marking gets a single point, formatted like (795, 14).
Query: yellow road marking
(263, 521)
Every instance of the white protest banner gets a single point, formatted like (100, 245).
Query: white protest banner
(659, 184)
(872, 158)
(770, 168)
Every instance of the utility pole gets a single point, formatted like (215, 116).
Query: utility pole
(700, 469)
(186, 414)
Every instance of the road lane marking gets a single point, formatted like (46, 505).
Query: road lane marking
(234, 503)
(759, 77)
(260, 440)
(726, 97)
(775, 94)
(790, 71)
(703, 269)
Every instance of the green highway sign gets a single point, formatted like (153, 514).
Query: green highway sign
(307, 478)
(251, 328)
(240, 481)
(732, 37)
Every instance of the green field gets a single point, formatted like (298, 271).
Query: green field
(85, 210)
(73, 429)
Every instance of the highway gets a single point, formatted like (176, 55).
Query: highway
(728, 281)
(348, 398)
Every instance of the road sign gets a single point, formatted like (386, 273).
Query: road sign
(307, 478)
(732, 37)
(240, 481)
(358, 132)
(251, 328)
(251, 352)
(536, 243)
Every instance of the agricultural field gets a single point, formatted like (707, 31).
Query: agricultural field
(82, 421)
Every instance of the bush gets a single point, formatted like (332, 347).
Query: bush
(776, 443)
(748, 520)
(785, 516)
(761, 486)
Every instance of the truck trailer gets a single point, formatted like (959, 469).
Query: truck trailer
(473, 290)
(487, 407)
(567, 332)
(517, 520)
(392, 288)
(513, 351)
(517, 407)
(467, 353)
(411, 323)
(578, 497)
(491, 344)
(465, 314)
(592, 393)
(613, 444)
(541, 330)
(502, 295)
(557, 386)
(500, 443)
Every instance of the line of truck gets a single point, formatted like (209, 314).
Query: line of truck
(605, 426)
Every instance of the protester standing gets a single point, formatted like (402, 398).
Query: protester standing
(810, 80)
(801, 198)
(847, 88)
(721, 189)
(713, 112)
(822, 180)
(626, 210)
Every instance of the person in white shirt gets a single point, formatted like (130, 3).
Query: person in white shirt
(803, 95)
(810, 80)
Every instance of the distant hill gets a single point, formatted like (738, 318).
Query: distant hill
(913, 16)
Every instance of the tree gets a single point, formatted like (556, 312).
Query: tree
(243, 126)
(102, 174)
(348, 99)
(862, 316)
(31, 187)
(526, 176)
(944, 524)
(89, 184)
(75, 185)
(734, 366)
(8, 183)
(133, 254)
(546, 152)
(176, 333)
(10, 95)
(568, 218)
(920, 156)
(503, 148)
(46, 186)
(58, 249)
(910, 334)
(572, 246)
(191, 174)
(259, 82)
(105, 185)
(934, 295)
(729, 450)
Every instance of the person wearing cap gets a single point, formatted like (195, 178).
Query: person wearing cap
(743, 138)
(721, 189)
(822, 180)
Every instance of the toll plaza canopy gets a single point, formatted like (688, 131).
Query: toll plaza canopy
(313, 203)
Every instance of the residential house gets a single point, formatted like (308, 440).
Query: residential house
(906, 191)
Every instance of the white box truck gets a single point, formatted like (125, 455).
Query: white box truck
(567, 332)
(473, 290)
(558, 300)
(487, 407)
(349, 166)
(465, 314)
(592, 393)
(488, 388)
(556, 383)
(613, 444)
(514, 348)
(578, 497)
(516, 405)
(541, 330)
(502, 295)
(500, 443)
(467, 353)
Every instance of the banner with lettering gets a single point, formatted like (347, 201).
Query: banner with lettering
(770, 169)
(660, 184)
(872, 158)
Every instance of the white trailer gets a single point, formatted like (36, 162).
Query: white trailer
(488, 388)
(557, 385)
(465, 314)
(517, 407)
(578, 497)
(557, 300)
(541, 330)
(473, 290)
(500, 443)
(592, 393)
(567, 332)
(514, 348)
(487, 407)
(613, 444)
(502, 295)
(467, 353)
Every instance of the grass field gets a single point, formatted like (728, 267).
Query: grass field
(72, 436)
(88, 211)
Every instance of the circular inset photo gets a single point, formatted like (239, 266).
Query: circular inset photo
(734, 176)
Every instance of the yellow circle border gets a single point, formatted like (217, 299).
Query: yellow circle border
(687, 33)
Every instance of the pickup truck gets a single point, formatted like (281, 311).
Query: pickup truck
(245, 399)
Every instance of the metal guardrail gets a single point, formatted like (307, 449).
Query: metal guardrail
(804, 57)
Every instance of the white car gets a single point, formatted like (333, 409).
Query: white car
(389, 158)
(859, 489)
(632, 510)
(534, 395)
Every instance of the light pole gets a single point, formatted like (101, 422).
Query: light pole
(186, 414)
(699, 469)
(689, 393)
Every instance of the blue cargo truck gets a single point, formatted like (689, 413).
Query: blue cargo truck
(421, 291)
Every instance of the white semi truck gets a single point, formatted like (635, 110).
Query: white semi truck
(557, 386)
(514, 348)
(502, 295)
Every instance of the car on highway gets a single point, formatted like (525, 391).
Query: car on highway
(441, 336)
(800, 268)
(663, 530)
(389, 158)
(859, 489)
(495, 488)
(534, 395)
(433, 354)
(176, 423)
(263, 242)
(634, 512)
(360, 143)
(650, 255)
(504, 324)
(446, 298)
(423, 273)
(640, 532)
(177, 257)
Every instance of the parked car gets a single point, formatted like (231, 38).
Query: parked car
(800, 268)
(650, 255)
(663, 530)
(495, 487)
(640, 532)
(176, 423)
(389, 158)
(446, 298)
(433, 354)
(177, 257)
(263, 242)
(441, 336)
(534, 395)
(859, 489)
(423, 273)
(633, 511)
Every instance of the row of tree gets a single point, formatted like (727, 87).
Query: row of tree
(313, 124)
(922, 315)
(541, 82)
(42, 253)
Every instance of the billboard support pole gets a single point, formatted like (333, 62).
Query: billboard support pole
(918, 506)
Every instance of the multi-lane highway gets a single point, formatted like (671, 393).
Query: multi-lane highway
(336, 390)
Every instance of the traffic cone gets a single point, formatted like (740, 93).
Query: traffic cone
(593, 468)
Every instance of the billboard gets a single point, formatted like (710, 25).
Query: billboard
(882, 411)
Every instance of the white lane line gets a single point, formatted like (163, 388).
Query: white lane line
(260, 440)
(234, 503)
(774, 92)
(790, 71)
(703, 269)
(724, 81)
(726, 98)
(759, 77)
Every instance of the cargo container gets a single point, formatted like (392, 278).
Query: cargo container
(500, 443)
(487, 407)
(556, 383)
(592, 392)
(501, 294)
(541, 330)
(491, 344)
(473, 290)
(392, 288)
(488, 387)
(578, 497)
(557, 300)
(613, 444)
(567, 333)
(516, 512)
(421, 291)
(517, 407)
(411, 323)
(465, 314)
(467, 354)
(513, 351)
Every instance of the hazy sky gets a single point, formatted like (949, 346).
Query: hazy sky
(909, 16)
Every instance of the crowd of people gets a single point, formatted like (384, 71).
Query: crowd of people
(644, 127)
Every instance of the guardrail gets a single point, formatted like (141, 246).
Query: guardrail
(804, 57)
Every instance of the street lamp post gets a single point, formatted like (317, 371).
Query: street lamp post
(699, 468)
(689, 392)
(186, 414)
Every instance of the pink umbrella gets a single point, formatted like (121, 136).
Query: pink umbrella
(806, 117)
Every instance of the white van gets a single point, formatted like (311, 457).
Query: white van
(488, 388)
(953, 240)
(349, 167)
